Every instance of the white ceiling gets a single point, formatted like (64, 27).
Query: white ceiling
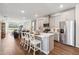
(41, 9)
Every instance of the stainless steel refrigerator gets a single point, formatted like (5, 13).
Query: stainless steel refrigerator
(67, 32)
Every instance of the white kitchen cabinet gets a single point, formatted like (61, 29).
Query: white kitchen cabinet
(47, 42)
(61, 16)
(40, 22)
(68, 15)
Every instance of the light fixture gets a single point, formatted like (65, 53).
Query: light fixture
(22, 11)
(61, 6)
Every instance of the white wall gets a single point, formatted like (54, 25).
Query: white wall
(77, 25)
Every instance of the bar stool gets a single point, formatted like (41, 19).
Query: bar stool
(23, 37)
(26, 43)
(34, 44)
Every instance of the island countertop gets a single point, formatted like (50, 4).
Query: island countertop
(45, 34)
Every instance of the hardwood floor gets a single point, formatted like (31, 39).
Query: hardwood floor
(61, 49)
(10, 46)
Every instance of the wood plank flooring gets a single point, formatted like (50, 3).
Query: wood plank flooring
(10, 46)
(61, 49)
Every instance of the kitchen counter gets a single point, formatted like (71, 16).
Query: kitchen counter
(47, 40)
(45, 34)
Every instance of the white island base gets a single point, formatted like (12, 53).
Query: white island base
(47, 42)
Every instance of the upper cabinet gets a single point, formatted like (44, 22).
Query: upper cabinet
(40, 22)
(68, 15)
(61, 16)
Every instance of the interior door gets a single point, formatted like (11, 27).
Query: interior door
(2, 30)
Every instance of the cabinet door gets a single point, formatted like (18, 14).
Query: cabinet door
(2, 30)
(51, 42)
(45, 44)
(52, 22)
(68, 15)
(57, 19)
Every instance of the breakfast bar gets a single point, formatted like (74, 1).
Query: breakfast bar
(47, 40)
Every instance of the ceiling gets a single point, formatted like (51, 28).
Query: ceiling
(31, 9)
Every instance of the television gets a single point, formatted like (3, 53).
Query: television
(46, 25)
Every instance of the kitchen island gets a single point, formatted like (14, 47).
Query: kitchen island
(47, 42)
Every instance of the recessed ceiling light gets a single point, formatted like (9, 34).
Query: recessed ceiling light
(22, 11)
(61, 6)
